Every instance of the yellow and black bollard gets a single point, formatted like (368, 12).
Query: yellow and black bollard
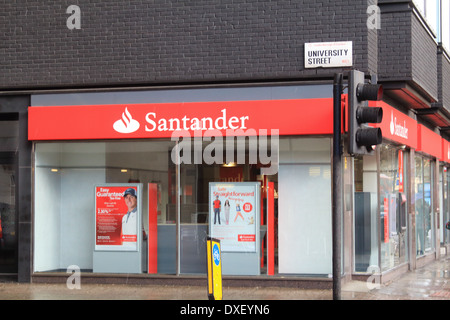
(214, 262)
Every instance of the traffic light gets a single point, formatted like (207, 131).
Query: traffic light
(362, 138)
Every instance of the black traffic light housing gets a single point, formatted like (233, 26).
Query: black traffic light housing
(362, 138)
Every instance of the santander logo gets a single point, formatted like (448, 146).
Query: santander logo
(152, 123)
(127, 124)
(397, 128)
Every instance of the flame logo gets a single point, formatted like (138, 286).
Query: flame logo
(127, 124)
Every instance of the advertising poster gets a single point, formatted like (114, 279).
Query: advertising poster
(386, 220)
(116, 217)
(400, 171)
(232, 215)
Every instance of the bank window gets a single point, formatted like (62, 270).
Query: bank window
(72, 178)
(65, 217)
(424, 205)
(366, 214)
(304, 207)
(393, 211)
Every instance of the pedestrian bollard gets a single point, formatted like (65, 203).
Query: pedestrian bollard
(214, 263)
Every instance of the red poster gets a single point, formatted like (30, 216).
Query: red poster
(153, 200)
(400, 171)
(116, 217)
(386, 220)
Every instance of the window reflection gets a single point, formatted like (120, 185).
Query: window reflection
(392, 207)
(423, 205)
(365, 213)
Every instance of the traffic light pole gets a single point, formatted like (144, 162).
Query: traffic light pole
(337, 186)
(361, 141)
(361, 136)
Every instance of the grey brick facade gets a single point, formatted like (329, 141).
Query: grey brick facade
(407, 52)
(424, 59)
(157, 42)
(444, 79)
(395, 51)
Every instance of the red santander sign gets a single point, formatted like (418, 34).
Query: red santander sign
(161, 120)
(397, 126)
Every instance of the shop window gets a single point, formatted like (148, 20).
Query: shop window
(393, 213)
(443, 205)
(195, 199)
(66, 174)
(241, 230)
(424, 205)
(366, 214)
(304, 179)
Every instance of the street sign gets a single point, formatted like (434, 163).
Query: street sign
(328, 54)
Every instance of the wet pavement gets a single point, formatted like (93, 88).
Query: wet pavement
(431, 282)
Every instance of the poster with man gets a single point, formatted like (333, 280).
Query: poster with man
(116, 217)
(233, 215)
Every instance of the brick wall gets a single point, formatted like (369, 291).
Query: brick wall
(424, 59)
(161, 41)
(394, 47)
(444, 95)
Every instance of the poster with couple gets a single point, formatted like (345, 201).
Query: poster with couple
(233, 215)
